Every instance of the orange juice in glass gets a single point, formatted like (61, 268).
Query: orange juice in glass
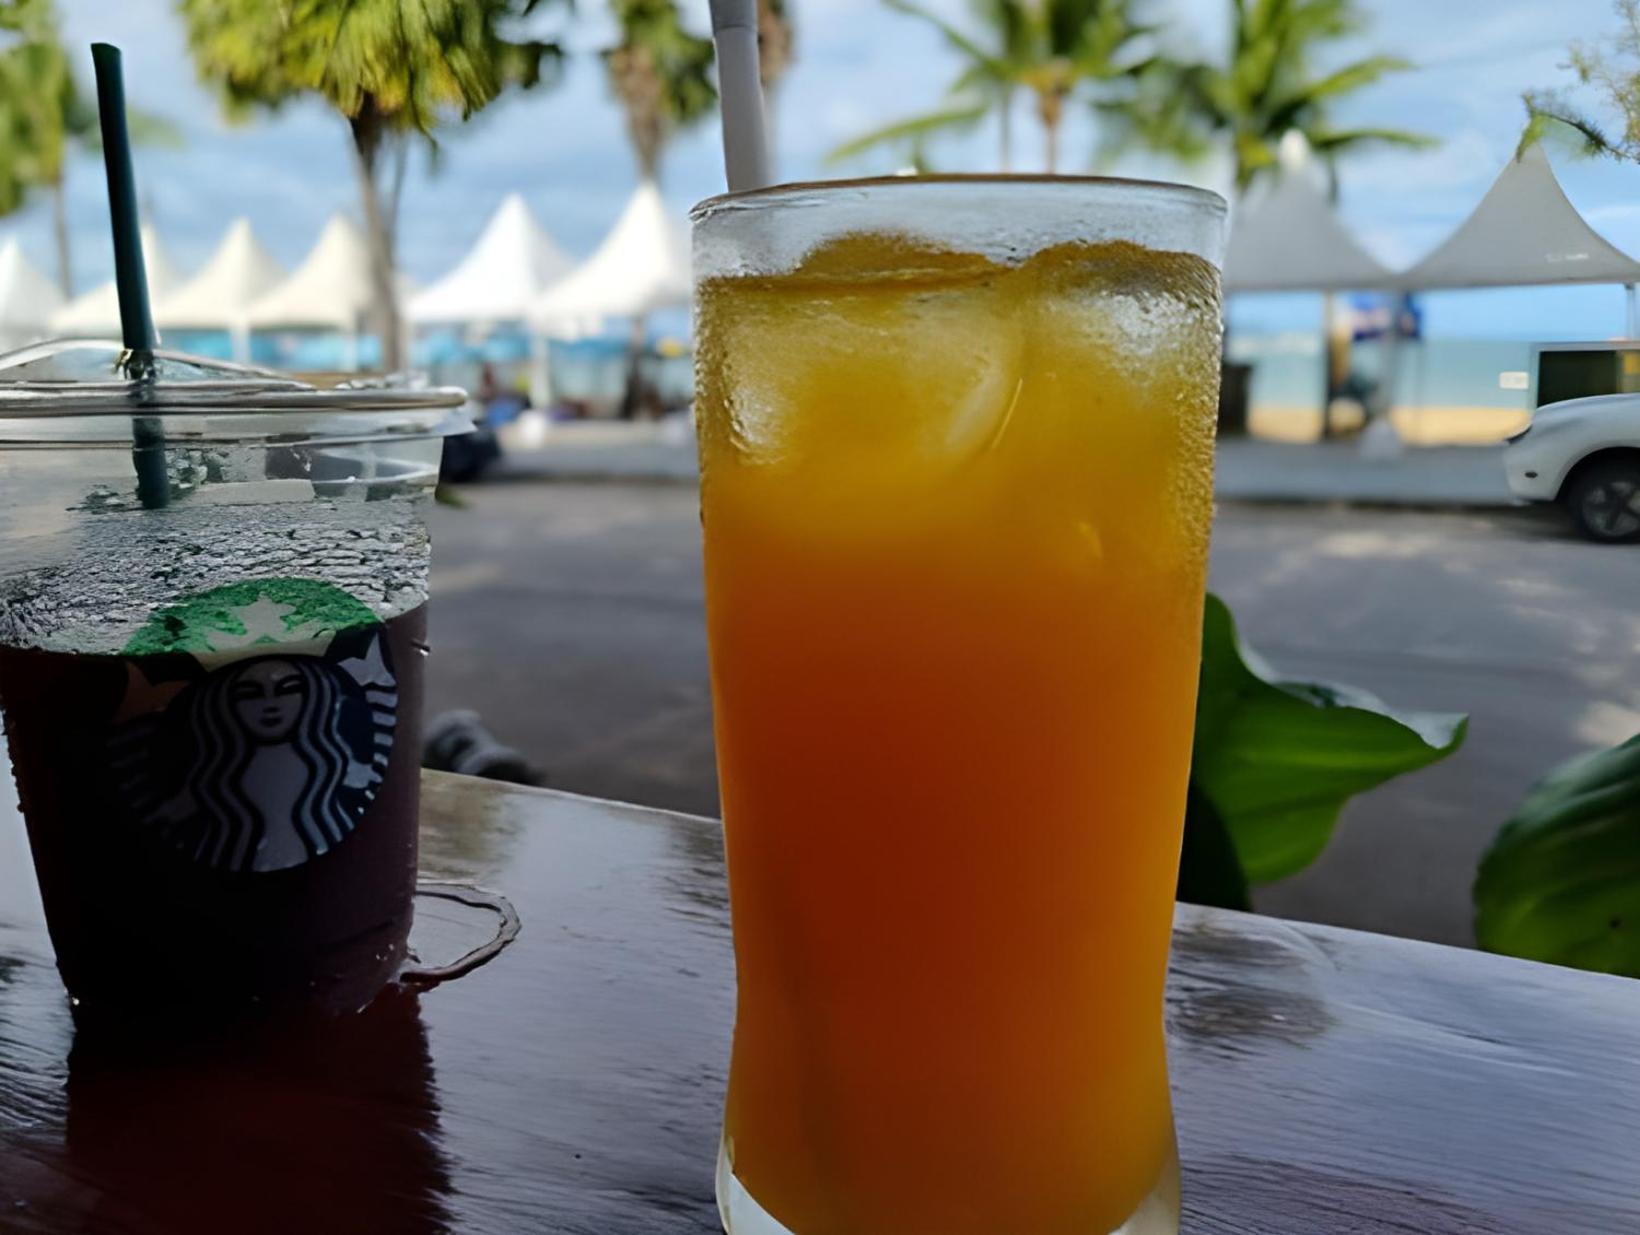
(956, 462)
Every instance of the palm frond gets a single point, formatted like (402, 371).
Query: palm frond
(1304, 104)
(1255, 155)
(1108, 43)
(912, 129)
(1336, 141)
(1010, 22)
(1312, 21)
(1070, 25)
(972, 79)
(961, 42)
(1353, 77)
(152, 129)
(1159, 125)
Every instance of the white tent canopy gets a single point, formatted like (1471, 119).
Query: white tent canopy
(97, 313)
(1524, 232)
(1286, 237)
(27, 298)
(506, 270)
(330, 290)
(640, 266)
(217, 298)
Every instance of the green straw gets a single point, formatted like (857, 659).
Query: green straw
(130, 275)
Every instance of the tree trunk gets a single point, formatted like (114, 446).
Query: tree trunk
(1050, 109)
(367, 127)
(771, 138)
(636, 345)
(395, 190)
(1331, 362)
(1006, 131)
(649, 160)
(59, 233)
(1335, 353)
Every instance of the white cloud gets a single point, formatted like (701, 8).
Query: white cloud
(1469, 161)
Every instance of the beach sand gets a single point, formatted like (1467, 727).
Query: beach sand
(1418, 426)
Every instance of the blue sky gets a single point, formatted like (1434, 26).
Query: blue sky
(857, 64)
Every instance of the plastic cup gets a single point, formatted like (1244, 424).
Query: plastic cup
(213, 700)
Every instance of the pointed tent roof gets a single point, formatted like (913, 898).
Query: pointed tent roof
(509, 266)
(331, 289)
(27, 297)
(216, 298)
(640, 266)
(1285, 236)
(1525, 231)
(97, 313)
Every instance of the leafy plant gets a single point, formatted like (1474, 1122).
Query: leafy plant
(1561, 882)
(1275, 760)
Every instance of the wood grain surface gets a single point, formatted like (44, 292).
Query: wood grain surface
(1326, 1082)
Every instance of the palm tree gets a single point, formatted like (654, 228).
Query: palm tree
(775, 40)
(391, 68)
(1268, 88)
(661, 73)
(40, 109)
(1050, 50)
(44, 115)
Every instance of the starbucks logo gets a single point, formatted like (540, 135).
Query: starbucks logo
(256, 724)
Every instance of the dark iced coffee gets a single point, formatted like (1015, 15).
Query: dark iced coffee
(213, 707)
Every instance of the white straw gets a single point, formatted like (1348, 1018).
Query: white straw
(740, 90)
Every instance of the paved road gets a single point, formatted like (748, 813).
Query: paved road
(570, 616)
(1248, 468)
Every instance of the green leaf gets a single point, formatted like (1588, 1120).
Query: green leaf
(1278, 759)
(1561, 882)
(997, 68)
(1209, 871)
(911, 129)
(1338, 141)
(1353, 77)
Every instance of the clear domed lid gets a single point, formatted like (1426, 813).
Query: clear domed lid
(81, 380)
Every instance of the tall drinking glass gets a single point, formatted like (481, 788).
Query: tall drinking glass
(956, 458)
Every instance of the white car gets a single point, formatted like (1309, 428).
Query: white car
(1584, 454)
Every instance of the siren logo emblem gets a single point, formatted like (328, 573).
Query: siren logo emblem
(256, 724)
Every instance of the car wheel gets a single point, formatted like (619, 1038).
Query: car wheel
(1604, 502)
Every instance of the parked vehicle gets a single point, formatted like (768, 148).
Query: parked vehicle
(1585, 455)
(1564, 371)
